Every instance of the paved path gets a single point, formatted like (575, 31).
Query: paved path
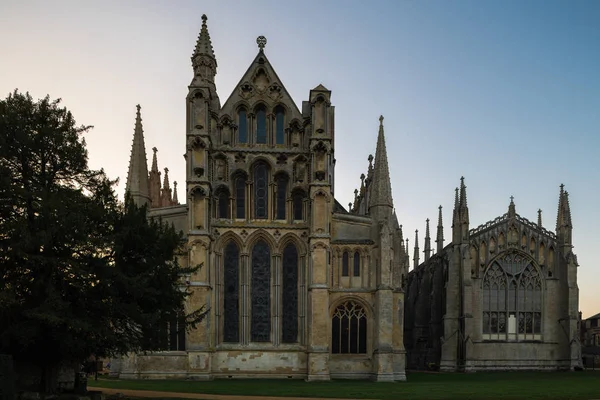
(149, 393)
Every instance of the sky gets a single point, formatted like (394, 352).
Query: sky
(505, 93)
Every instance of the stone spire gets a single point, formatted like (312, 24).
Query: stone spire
(427, 250)
(380, 201)
(512, 212)
(154, 182)
(407, 257)
(564, 227)
(440, 232)
(539, 218)
(203, 59)
(175, 199)
(137, 176)
(402, 239)
(416, 253)
(464, 210)
(166, 190)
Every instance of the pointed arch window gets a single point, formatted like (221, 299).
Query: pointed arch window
(242, 126)
(297, 201)
(223, 204)
(279, 125)
(261, 125)
(512, 299)
(356, 264)
(261, 196)
(260, 329)
(231, 310)
(345, 267)
(240, 197)
(289, 323)
(349, 329)
(282, 182)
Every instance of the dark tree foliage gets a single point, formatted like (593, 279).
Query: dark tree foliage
(81, 274)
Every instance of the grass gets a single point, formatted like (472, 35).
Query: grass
(419, 386)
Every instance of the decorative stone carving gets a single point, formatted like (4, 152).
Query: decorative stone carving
(300, 171)
(198, 112)
(221, 169)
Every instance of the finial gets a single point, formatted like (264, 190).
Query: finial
(349, 206)
(138, 108)
(154, 149)
(370, 158)
(562, 187)
(362, 177)
(166, 170)
(261, 41)
(381, 120)
(204, 18)
(540, 217)
(512, 198)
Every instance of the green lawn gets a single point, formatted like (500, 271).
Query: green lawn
(480, 386)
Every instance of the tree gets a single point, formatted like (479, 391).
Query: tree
(81, 274)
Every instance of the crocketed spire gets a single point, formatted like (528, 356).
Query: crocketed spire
(416, 253)
(137, 175)
(440, 232)
(380, 199)
(203, 44)
(427, 250)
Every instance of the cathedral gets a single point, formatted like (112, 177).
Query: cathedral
(298, 286)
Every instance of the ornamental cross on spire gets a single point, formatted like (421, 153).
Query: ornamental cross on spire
(262, 42)
(512, 198)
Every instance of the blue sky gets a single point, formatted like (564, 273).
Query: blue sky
(505, 93)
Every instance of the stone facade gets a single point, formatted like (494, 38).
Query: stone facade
(296, 285)
(500, 296)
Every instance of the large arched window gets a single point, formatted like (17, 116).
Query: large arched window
(289, 323)
(261, 125)
(282, 182)
(230, 293)
(260, 329)
(279, 125)
(261, 196)
(240, 197)
(512, 299)
(349, 329)
(242, 126)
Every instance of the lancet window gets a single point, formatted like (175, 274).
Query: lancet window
(289, 328)
(345, 266)
(261, 125)
(356, 270)
(231, 281)
(282, 182)
(223, 204)
(349, 329)
(240, 197)
(279, 125)
(512, 299)
(242, 126)
(297, 201)
(261, 292)
(261, 185)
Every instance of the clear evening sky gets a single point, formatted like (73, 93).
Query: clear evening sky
(506, 93)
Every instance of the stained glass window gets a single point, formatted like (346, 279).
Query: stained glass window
(242, 126)
(512, 299)
(281, 196)
(230, 296)
(290, 294)
(349, 329)
(261, 125)
(261, 292)
(279, 128)
(261, 185)
(240, 197)
(356, 264)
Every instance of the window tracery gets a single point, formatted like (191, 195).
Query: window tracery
(261, 292)
(240, 197)
(349, 329)
(282, 182)
(230, 295)
(512, 299)
(260, 191)
(290, 294)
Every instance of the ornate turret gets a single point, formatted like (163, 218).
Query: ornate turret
(175, 199)
(511, 208)
(166, 191)
(440, 232)
(137, 176)
(380, 201)
(539, 218)
(427, 250)
(203, 59)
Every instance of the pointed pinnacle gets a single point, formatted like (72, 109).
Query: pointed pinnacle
(203, 44)
(154, 160)
(166, 185)
(540, 217)
(137, 175)
(175, 199)
(381, 188)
